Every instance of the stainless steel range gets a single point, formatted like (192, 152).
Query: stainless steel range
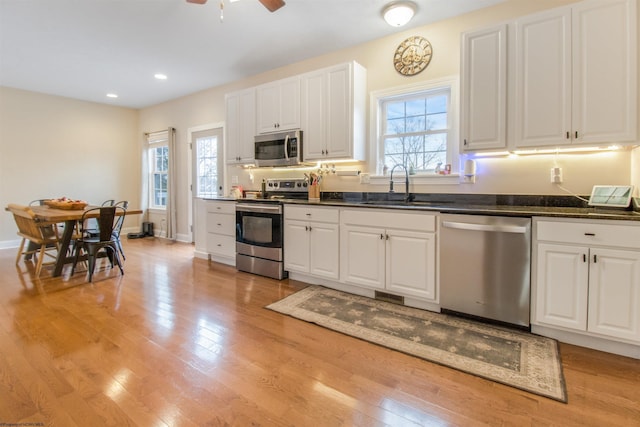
(259, 228)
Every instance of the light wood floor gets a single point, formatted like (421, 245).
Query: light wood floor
(177, 341)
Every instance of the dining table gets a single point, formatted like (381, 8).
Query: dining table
(70, 218)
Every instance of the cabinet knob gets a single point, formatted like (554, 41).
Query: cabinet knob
(381, 236)
(386, 236)
(465, 142)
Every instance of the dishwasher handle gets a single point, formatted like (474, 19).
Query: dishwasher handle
(483, 227)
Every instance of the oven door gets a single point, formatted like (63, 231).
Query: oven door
(259, 225)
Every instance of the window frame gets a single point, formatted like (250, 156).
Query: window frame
(155, 141)
(377, 99)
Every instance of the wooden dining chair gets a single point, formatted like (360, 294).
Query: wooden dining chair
(92, 245)
(43, 235)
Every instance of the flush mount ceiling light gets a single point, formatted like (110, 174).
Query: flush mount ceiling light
(398, 13)
(112, 95)
(160, 76)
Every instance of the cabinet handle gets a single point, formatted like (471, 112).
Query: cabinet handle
(465, 142)
(576, 134)
(590, 234)
(584, 257)
(568, 135)
(309, 228)
(306, 228)
(381, 236)
(386, 236)
(308, 214)
(218, 244)
(219, 225)
(595, 258)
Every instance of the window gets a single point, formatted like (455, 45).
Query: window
(416, 127)
(158, 169)
(208, 162)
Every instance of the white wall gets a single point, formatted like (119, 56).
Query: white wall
(52, 147)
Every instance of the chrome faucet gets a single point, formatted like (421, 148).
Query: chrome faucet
(407, 195)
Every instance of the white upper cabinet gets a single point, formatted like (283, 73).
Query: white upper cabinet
(333, 113)
(575, 75)
(278, 105)
(484, 89)
(240, 126)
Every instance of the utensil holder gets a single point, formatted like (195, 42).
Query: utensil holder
(314, 193)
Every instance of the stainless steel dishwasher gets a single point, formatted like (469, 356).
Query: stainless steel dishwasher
(485, 267)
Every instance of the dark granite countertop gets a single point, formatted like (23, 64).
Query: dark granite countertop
(473, 204)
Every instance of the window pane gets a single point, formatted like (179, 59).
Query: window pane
(437, 104)
(207, 166)
(416, 107)
(393, 160)
(394, 146)
(395, 126)
(416, 124)
(395, 110)
(437, 121)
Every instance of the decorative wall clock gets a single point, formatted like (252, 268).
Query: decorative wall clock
(412, 56)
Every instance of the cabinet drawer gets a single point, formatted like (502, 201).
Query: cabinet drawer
(589, 233)
(221, 224)
(312, 213)
(221, 245)
(221, 207)
(390, 219)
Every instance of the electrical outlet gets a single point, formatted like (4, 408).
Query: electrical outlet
(364, 178)
(556, 175)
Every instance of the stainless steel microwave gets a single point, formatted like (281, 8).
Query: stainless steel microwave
(279, 149)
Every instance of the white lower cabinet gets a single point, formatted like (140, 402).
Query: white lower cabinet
(587, 277)
(311, 240)
(390, 251)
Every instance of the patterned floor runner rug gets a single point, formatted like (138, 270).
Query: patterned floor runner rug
(518, 359)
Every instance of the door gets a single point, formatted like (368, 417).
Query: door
(339, 112)
(296, 246)
(362, 250)
(614, 293)
(605, 71)
(324, 250)
(562, 285)
(543, 79)
(484, 89)
(206, 170)
(313, 115)
(241, 130)
(411, 263)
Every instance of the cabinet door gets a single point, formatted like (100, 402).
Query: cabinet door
(484, 89)
(614, 293)
(289, 106)
(296, 246)
(543, 79)
(411, 264)
(562, 286)
(339, 113)
(362, 250)
(605, 71)
(324, 250)
(313, 115)
(268, 107)
(240, 127)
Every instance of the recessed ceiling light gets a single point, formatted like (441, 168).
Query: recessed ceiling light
(112, 95)
(160, 76)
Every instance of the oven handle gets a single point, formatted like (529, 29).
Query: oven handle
(260, 209)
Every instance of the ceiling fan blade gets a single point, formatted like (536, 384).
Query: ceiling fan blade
(272, 5)
(197, 1)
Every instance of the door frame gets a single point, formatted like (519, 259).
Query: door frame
(190, 171)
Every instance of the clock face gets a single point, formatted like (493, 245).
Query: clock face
(412, 56)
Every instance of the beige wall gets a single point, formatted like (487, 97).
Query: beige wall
(38, 131)
(53, 147)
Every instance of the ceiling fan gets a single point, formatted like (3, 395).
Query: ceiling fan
(272, 5)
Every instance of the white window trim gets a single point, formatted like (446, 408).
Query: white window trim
(154, 140)
(453, 151)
